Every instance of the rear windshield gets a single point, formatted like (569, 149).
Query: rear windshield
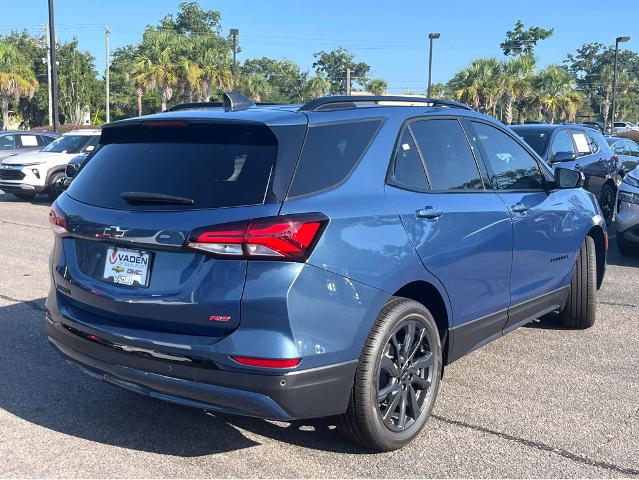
(536, 139)
(213, 165)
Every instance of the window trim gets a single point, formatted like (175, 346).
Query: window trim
(547, 187)
(390, 177)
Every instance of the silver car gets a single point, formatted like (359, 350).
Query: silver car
(14, 143)
(628, 214)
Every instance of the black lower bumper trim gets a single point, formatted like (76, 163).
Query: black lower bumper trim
(310, 393)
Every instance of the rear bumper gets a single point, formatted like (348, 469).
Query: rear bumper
(311, 393)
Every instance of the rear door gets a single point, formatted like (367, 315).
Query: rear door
(590, 160)
(541, 220)
(461, 231)
(125, 260)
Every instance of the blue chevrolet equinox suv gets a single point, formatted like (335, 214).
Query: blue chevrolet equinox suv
(325, 260)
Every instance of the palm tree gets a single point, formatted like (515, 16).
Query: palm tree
(377, 86)
(516, 82)
(211, 57)
(316, 86)
(16, 78)
(255, 86)
(558, 96)
(157, 66)
(478, 85)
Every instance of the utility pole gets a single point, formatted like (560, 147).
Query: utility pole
(234, 33)
(618, 40)
(54, 69)
(431, 37)
(45, 29)
(106, 74)
(348, 81)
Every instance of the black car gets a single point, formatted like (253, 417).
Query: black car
(578, 148)
(72, 168)
(13, 143)
(627, 151)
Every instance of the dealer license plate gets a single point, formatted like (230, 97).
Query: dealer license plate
(127, 267)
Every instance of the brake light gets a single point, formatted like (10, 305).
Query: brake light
(58, 221)
(288, 237)
(268, 362)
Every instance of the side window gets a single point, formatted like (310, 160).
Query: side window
(450, 164)
(28, 140)
(408, 170)
(44, 140)
(594, 146)
(329, 155)
(7, 142)
(561, 143)
(582, 143)
(621, 148)
(634, 149)
(513, 167)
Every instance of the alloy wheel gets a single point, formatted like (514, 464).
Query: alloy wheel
(405, 376)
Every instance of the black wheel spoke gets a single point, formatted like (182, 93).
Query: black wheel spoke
(422, 332)
(384, 392)
(414, 405)
(401, 422)
(389, 365)
(422, 362)
(408, 340)
(420, 382)
(392, 406)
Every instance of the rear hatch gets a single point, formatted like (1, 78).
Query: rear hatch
(132, 208)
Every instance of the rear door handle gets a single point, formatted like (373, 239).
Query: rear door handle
(519, 208)
(429, 212)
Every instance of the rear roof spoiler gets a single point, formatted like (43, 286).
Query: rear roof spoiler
(231, 101)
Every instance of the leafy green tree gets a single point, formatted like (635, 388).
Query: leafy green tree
(333, 65)
(78, 86)
(192, 19)
(520, 41)
(438, 90)
(285, 78)
(377, 86)
(16, 77)
(315, 87)
(558, 97)
(255, 86)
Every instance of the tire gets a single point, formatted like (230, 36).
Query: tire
(579, 311)
(24, 196)
(625, 250)
(364, 421)
(55, 188)
(607, 202)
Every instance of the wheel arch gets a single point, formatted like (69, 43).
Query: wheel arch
(52, 172)
(599, 237)
(429, 296)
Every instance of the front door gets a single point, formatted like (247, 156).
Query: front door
(541, 221)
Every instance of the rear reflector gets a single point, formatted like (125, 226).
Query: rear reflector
(58, 221)
(268, 362)
(287, 237)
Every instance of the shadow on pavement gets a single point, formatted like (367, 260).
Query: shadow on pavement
(41, 199)
(40, 387)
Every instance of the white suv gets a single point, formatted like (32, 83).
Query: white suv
(28, 174)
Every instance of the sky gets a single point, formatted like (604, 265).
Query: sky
(390, 36)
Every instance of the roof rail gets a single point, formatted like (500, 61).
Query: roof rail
(351, 101)
(232, 101)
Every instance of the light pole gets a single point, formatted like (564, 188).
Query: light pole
(234, 33)
(431, 37)
(618, 40)
(54, 69)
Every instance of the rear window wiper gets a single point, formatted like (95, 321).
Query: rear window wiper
(148, 197)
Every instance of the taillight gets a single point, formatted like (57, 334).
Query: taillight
(268, 362)
(58, 221)
(287, 237)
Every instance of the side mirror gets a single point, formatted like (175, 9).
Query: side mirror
(89, 148)
(566, 178)
(564, 157)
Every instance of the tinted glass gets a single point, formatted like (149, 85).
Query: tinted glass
(594, 147)
(537, 139)
(449, 161)
(513, 167)
(620, 148)
(634, 149)
(561, 143)
(329, 155)
(408, 169)
(68, 144)
(214, 165)
(6, 142)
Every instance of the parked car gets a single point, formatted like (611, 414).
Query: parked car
(72, 169)
(627, 151)
(13, 143)
(627, 219)
(578, 148)
(621, 127)
(28, 174)
(291, 262)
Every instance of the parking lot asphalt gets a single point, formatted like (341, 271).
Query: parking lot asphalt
(539, 402)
